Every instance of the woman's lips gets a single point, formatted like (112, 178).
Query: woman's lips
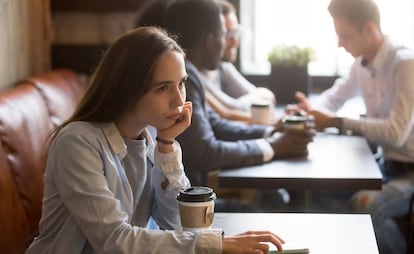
(174, 116)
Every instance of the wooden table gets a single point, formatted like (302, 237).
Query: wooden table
(335, 162)
(321, 233)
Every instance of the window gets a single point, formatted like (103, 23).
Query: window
(266, 23)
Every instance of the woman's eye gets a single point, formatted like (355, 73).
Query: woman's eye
(162, 89)
(182, 82)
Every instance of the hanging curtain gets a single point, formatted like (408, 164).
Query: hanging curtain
(25, 26)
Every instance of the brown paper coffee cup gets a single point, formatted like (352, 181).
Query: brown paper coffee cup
(196, 208)
(261, 112)
(293, 122)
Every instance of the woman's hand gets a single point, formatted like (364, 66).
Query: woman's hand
(254, 242)
(180, 125)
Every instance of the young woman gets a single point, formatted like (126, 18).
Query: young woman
(105, 177)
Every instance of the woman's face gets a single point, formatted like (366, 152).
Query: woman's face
(161, 106)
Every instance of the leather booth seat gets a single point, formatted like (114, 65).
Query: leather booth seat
(29, 111)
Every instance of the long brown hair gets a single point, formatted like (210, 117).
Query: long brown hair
(123, 75)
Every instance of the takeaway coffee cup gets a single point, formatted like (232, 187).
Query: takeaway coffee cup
(294, 122)
(196, 208)
(298, 123)
(261, 112)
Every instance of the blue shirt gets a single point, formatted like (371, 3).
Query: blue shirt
(100, 191)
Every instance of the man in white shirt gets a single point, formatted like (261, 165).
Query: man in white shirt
(383, 76)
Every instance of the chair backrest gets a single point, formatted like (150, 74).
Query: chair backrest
(29, 112)
(24, 127)
(61, 89)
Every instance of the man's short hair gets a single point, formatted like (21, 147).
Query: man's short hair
(152, 13)
(357, 12)
(192, 20)
(226, 7)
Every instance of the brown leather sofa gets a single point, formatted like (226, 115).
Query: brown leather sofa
(29, 111)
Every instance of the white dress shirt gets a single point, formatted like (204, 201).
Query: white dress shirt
(387, 88)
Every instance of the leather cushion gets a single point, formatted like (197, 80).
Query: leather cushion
(24, 127)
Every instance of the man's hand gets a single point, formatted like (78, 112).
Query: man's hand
(322, 119)
(303, 101)
(303, 105)
(291, 144)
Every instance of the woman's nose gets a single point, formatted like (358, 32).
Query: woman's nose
(178, 97)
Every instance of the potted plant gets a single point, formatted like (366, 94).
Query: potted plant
(289, 71)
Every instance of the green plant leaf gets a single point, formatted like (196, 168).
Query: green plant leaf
(291, 55)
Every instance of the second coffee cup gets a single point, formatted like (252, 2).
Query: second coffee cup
(293, 122)
(196, 208)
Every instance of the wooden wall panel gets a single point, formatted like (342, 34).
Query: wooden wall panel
(89, 21)
(81, 58)
(96, 5)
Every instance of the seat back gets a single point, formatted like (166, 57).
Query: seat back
(61, 89)
(24, 128)
(28, 114)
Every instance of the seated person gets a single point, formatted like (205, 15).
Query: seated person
(153, 13)
(383, 76)
(105, 177)
(228, 92)
(211, 142)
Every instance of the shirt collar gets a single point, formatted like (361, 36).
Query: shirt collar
(115, 139)
(381, 58)
(117, 143)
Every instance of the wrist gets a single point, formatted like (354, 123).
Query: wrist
(164, 141)
(337, 122)
(164, 145)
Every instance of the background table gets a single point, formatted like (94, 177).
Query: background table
(321, 233)
(335, 162)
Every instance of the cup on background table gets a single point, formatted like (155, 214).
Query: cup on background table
(261, 112)
(196, 208)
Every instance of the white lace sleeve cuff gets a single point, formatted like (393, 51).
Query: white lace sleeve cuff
(172, 167)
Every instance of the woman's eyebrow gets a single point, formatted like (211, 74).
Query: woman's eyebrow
(163, 82)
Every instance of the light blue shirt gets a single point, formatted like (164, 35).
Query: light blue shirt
(100, 191)
(387, 88)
